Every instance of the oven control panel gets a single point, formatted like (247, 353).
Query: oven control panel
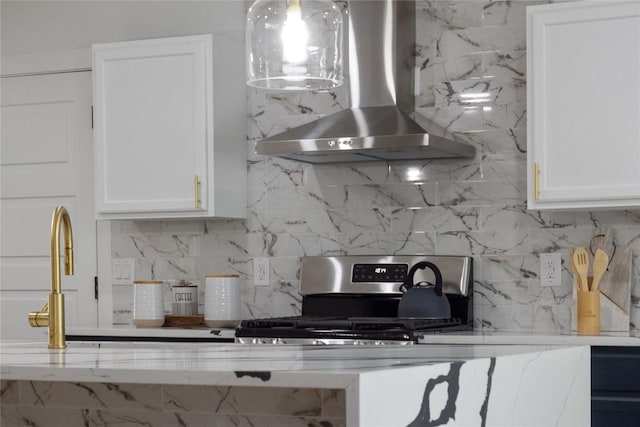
(379, 273)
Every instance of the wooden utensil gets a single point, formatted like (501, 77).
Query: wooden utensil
(575, 271)
(581, 260)
(616, 282)
(600, 263)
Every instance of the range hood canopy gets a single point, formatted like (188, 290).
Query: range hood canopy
(381, 123)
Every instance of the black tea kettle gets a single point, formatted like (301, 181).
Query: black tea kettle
(424, 300)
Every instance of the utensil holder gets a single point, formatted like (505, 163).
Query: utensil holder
(588, 312)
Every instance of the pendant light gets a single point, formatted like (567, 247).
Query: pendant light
(294, 45)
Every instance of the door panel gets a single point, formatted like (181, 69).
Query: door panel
(32, 237)
(135, 125)
(46, 161)
(22, 140)
(582, 143)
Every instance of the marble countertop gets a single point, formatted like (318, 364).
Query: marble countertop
(382, 385)
(228, 364)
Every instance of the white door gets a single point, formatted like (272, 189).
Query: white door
(46, 161)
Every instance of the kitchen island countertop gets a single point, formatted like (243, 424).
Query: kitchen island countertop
(382, 385)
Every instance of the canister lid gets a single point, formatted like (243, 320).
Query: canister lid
(222, 275)
(148, 282)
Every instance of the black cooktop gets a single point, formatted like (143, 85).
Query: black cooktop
(369, 328)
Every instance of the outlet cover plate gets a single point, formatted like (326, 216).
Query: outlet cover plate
(551, 269)
(261, 271)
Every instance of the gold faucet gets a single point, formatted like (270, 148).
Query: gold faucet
(52, 313)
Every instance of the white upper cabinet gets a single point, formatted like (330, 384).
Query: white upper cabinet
(156, 153)
(583, 96)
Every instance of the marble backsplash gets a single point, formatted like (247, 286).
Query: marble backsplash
(471, 207)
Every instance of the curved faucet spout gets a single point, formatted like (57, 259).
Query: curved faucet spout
(52, 313)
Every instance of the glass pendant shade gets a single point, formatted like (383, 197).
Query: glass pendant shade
(294, 45)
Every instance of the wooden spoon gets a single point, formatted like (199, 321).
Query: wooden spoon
(581, 260)
(600, 263)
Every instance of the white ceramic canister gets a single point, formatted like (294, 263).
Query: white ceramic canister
(185, 300)
(222, 300)
(148, 303)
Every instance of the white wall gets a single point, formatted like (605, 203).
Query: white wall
(46, 26)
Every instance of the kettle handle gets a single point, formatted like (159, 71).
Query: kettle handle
(408, 283)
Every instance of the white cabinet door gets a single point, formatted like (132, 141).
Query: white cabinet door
(153, 127)
(583, 75)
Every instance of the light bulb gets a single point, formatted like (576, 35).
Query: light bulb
(294, 37)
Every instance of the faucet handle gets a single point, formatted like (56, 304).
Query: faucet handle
(40, 318)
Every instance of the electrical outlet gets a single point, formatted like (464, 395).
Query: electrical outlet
(261, 271)
(123, 271)
(551, 269)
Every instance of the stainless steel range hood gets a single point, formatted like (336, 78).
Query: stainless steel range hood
(381, 123)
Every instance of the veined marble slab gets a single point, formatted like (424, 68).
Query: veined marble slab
(550, 388)
(383, 385)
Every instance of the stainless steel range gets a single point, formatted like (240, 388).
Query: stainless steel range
(355, 300)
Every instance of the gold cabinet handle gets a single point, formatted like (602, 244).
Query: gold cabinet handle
(196, 188)
(536, 185)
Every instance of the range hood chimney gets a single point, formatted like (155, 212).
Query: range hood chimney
(381, 123)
